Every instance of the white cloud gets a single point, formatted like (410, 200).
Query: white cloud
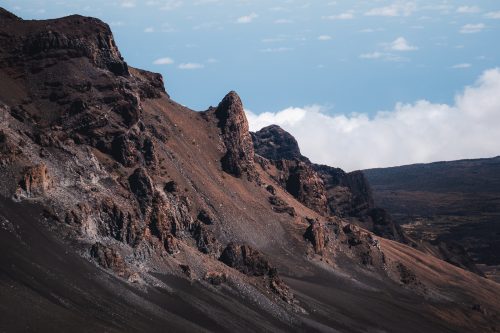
(468, 9)
(373, 55)
(171, 5)
(370, 30)
(385, 56)
(190, 66)
(247, 18)
(401, 44)
(472, 28)
(163, 61)
(324, 37)
(401, 8)
(283, 21)
(276, 49)
(411, 133)
(272, 40)
(149, 29)
(493, 15)
(342, 16)
(461, 66)
(128, 4)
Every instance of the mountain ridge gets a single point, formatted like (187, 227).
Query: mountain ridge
(169, 211)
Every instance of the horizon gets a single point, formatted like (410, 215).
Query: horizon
(395, 82)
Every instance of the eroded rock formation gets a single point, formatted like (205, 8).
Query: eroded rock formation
(238, 158)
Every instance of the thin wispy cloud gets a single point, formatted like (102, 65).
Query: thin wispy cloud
(461, 66)
(283, 21)
(384, 56)
(401, 8)
(472, 28)
(247, 18)
(468, 9)
(324, 37)
(171, 4)
(163, 61)
(276, 49)
(127, 4)
(190, 66)
(342, 16)
(493, 15)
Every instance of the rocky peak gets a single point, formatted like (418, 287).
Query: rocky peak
(5, 14)
(275, 143)
(69, 37)
(239, 156)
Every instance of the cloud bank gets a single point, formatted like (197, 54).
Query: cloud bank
(411, 133)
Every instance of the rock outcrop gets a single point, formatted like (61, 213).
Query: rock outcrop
(245, 259)
(300, 180)
(251, 262)
(274, 143)
(316, 234)
(108, 258)
(35, 181)
(325, 189)
(238, 159)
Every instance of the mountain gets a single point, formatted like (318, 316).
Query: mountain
(124, 211)
(327, 190)
(447, 203)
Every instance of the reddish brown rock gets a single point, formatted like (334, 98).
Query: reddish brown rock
(316, 234)
(238, 159)
(280, 206)
(108, 258)
(142, 187)
(215, 278)
(251, 262)
(301, 181)
(245, 259)
(36, 180)
(205, 240)
(274, 143)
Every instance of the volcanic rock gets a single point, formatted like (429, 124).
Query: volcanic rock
(239, 157)
(36, 180)
(142, 186)
(274, 143)
(245, 259)
(300, 180)
(108, 258)
(315, 233)
(280, 206)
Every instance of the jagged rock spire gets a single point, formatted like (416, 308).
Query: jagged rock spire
(239, 157)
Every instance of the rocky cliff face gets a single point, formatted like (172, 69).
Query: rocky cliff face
(117, 212)
(274, 143)
(325, 189)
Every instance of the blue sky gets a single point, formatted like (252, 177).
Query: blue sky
(338, 57)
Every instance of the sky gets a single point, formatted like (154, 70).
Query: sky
(360, 84)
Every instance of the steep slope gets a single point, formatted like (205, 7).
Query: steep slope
(448, 203)
(122, 210)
